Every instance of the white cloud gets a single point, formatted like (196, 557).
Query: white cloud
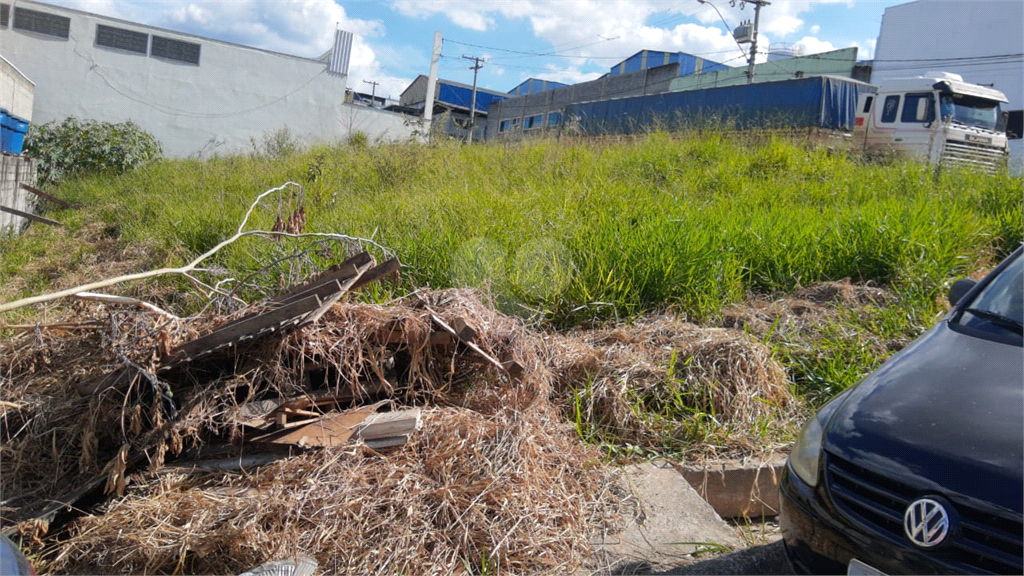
(567, 75)
(810, 45)
(576, 28)
(815, 30)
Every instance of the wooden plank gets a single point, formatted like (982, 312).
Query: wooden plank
(249, 326)
(330, 301)
(388, 424)
(328, 431)
(386, 269)
(490, 359)
(45, 196)
(340, 272)
(464, 329)
(389, 442)
(31, 217)
(324, 290)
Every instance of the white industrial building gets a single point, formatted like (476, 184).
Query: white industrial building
(196, 95)
(981, 40)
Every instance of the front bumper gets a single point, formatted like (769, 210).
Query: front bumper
(820, 540)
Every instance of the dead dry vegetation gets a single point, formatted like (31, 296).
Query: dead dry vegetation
(504, 475)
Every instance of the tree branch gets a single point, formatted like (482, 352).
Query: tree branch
(191, 266)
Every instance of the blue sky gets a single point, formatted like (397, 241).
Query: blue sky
(562, 40)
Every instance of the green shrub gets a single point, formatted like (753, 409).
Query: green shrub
(76, 147)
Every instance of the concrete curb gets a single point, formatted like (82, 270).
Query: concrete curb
(737, 489)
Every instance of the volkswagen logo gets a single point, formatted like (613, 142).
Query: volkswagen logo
(926, 522)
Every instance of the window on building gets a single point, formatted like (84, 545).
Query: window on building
(176, 50)
(533, 121)
(867, 104)
(504, 126)
(515, 122)
(5, 15)
(911, 104)
(892, 105)
(554, 118)
(122, 39)
(41, 22)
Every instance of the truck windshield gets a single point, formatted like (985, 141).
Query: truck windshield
(970, 111)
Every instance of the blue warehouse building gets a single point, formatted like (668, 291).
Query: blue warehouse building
(534, 85)
(644, 59)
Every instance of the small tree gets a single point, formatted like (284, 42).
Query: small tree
(76, 147)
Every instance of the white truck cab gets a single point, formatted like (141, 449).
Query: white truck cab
(937, 117)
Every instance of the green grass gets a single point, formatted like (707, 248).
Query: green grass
(573, 232)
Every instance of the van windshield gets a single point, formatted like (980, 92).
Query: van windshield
(970, 111)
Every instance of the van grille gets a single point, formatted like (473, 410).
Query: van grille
(985, 542)
(968, 154)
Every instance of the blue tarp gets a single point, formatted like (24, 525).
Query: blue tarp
(459, 96)
(823, 101)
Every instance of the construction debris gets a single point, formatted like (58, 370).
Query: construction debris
(431, 453)
(427, 435)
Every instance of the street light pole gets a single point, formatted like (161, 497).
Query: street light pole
(472, 108)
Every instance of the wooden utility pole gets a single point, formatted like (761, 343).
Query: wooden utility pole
(472, 108)
(373, 93)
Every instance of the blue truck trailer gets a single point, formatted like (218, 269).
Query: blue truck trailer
(827, 102)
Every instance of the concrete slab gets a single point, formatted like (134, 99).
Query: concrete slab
(666, 522)
(739, 488)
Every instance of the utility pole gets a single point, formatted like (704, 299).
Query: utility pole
(753, 38)
(428, 105)
(373, 92)
(472, 109)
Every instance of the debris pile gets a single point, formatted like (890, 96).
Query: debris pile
(429, 434)
(416, 437)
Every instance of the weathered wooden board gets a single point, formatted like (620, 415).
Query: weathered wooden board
(465, 331)
(340, 272)
(378, 272)
(248, 328)
(333, 299)
(31, 217)
(45, 196)
(330, 430)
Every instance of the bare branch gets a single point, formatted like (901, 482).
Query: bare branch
(111, 299)
(191, 266)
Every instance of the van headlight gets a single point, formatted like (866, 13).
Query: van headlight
(807, 450)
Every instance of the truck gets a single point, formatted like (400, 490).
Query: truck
(938, 118)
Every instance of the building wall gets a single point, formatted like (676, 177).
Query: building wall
(981, 40)
(16, 91)
(520, 109)
(235, 94)
(835, 63)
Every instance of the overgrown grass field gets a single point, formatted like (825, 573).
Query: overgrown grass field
(569, 233)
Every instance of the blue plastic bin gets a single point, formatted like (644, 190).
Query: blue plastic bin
(16, 130)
